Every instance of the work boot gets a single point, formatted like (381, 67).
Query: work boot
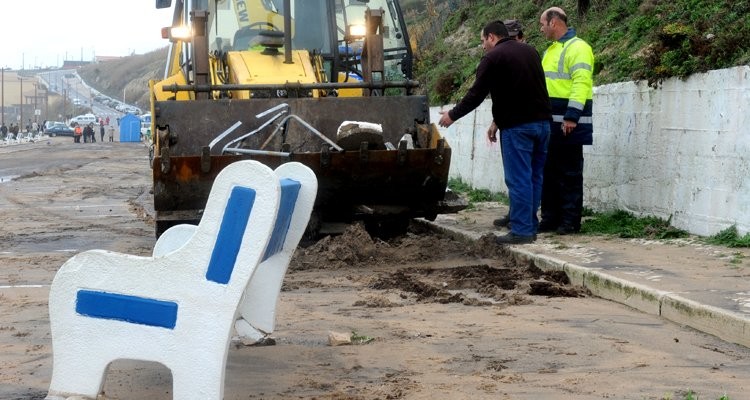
(502, 222)
(512, 238)
(567, 230)
(546, 226)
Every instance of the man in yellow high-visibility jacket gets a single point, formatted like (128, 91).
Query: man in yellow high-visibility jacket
(568, 68)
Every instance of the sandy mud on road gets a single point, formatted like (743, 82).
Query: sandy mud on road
(437, 318)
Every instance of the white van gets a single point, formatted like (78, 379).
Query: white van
(84, 119)
(145, 125)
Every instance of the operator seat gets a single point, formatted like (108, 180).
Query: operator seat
(245, 39)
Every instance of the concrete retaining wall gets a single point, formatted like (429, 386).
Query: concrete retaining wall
(680, 151)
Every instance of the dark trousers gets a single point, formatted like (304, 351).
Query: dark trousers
(562, 191)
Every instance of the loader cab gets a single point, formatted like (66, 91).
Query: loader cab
(352, 30)
(332, 29)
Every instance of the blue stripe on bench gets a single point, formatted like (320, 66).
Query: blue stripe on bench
(289, 192)
(229, 239)
(134, 309)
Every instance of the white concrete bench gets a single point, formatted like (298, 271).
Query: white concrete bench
(177, 307)
(257, 317)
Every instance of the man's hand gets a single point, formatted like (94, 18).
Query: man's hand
(492, 132)
(445, 119)
(568, 126)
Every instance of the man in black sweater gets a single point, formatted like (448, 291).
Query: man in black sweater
(511, 72)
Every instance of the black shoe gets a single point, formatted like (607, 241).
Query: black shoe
(545, 226)
(502, 222)
(567, 230)
(512, 238)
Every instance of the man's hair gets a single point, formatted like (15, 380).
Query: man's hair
(496, 28)
(514, 28)
(556, 14)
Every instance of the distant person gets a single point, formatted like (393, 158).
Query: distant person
(101, 130)
(88, 132)
(111, 133)
(3, 130)
(515, 29)
(107, 121)
(77, 133)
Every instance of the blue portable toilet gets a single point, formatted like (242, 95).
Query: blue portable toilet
(130, 128)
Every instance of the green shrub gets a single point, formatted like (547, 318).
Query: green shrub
(626, 225)
(730, 238)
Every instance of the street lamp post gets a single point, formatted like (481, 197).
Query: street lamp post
(65, 103)
(21, 120)
(2, 93)
(46, 102)
(35, 103)
(22, 100)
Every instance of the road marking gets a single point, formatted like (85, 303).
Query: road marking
(23, 286)
(58, 251)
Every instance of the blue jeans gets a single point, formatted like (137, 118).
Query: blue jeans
(524, 153)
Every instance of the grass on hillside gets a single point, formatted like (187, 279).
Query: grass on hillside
(632, 40)
(126, 78)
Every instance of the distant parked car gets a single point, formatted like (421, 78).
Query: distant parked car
(146, 125)
(133, 110)
(84, 119)
(58, 129)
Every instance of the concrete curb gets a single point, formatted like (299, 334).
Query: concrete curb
(724, 324)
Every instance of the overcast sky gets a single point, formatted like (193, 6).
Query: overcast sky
(43, 33)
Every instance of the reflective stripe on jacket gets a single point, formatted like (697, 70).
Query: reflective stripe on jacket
(568, 69)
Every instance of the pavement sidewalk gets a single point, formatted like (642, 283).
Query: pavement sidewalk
(682, 280)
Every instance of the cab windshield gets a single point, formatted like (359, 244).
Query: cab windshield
(239, 25)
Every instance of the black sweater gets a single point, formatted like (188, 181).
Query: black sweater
(512, 74)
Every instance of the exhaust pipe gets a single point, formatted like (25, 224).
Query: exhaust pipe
(287, 31)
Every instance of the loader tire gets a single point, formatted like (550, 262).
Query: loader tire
(387, 228)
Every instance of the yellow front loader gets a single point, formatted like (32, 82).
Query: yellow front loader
(324, 82)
